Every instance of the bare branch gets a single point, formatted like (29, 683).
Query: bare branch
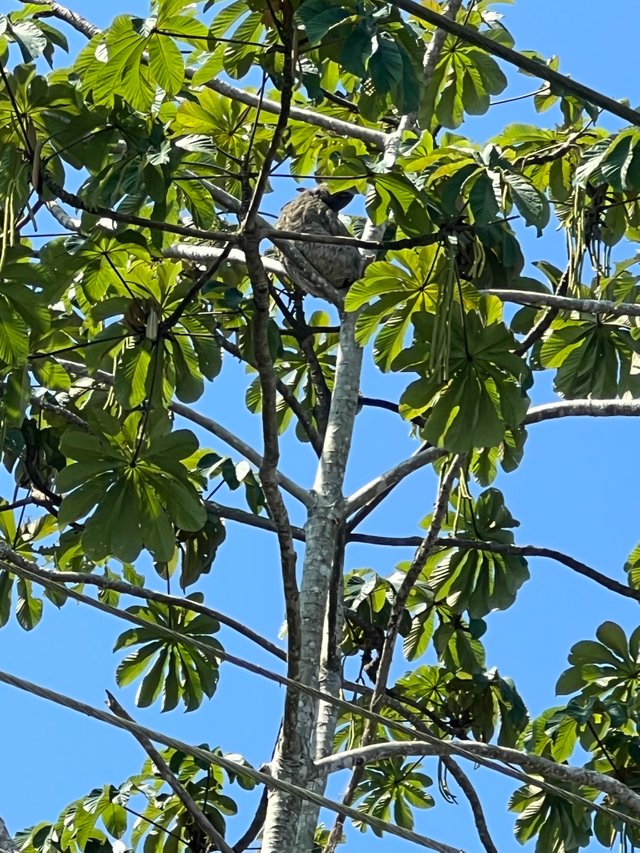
(161, 766)
(434, 49)
(130, 219)
(545, 322)
(582, 408)
(253, 830)
(390, 478)
(624, 795)
(259, 521)
(567, 303)
(202, 254)
(417, 564)
(289, 744)
(62, 13)
(474, 802)
(335, 125)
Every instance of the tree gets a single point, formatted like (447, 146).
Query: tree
(111, 332)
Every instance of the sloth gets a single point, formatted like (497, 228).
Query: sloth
(315, 211)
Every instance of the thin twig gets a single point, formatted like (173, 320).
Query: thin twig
(170, 778)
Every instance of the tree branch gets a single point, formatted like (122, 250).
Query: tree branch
(548, 553)
(391, 478)
(582, 408)
(25, 568)
(474, 802)
(253, 830)
(341, 128)
(285, 392)
(7, 844)
(199, 818)
(543, 325)
(124, 588)
(202, 254)
(427, 545)
(322, 574)
(567, 303)
(564, 773)
(74, 20)
(239, 446)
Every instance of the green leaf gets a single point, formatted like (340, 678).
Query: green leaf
(6, 587)
(132, 376)
(318, 17)
(166, 63)
(530, 202)
(14, 336)
(386, 65)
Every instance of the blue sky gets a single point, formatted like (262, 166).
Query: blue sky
(574, 491)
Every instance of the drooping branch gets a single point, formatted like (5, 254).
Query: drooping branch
(163, 770)
(216, 760)
(124, 588)
(563, 773)
(474, 802)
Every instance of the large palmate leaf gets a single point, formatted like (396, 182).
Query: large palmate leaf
(138, 486)
(175, 669)
(483, 394)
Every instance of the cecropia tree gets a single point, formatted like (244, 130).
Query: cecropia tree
(138, 261)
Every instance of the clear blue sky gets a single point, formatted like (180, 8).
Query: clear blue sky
(575, 491)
